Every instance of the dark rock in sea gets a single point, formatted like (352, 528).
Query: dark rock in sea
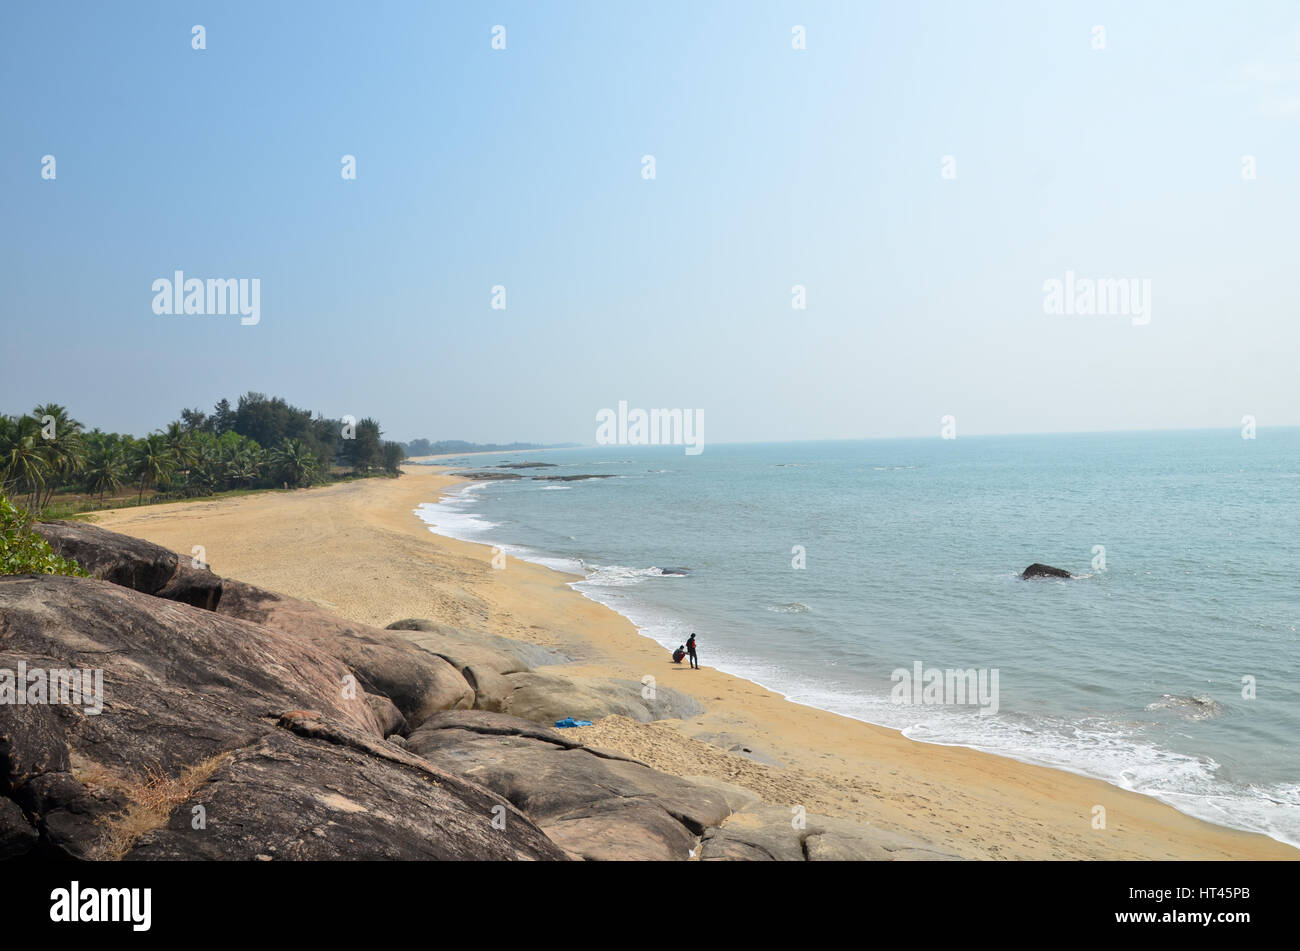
(1044, 571)
(596, 805)
(675, 572)
(572, 478)
(482, 476)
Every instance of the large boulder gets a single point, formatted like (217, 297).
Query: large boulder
(193, 705)
(418, 682)
(481, 649)
(1044, 571)
(17, 835)
(545, 697)
(199, 587)
(595, 804)
(768, 833)
(322, 790)
(124, 560)
(133, 563)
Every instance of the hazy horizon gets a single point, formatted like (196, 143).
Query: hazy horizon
(924, 173)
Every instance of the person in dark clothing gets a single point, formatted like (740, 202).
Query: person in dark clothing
(690, 650)
(679, 654)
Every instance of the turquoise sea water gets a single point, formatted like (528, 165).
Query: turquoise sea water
(1132, 672)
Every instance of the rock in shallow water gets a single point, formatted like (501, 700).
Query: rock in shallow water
(1044, 571)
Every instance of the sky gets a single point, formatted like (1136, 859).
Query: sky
(522, 167)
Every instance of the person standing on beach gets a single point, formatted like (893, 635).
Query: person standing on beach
(690, 650)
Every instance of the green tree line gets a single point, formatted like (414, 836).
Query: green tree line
(261, 442)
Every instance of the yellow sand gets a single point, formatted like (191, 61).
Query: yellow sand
(358, 549)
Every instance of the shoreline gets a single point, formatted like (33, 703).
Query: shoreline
(459, 488)
(360, 549)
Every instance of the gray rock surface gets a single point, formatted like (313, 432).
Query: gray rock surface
(321, 790)
(121, 559)
(594, 804)
(419, 683)
(546, 696)
(187, 691)
(762, 832)
(462, 648)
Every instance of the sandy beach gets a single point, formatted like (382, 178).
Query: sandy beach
(358, 549)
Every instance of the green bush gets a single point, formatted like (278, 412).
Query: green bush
(24, 552)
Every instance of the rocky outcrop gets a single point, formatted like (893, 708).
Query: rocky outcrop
(462, 648)
(197, 586)
(545, 697)
(121, 559)
(418, 683)
(1044, 571)
(198, 709)
(572, 478)
(774, 833)
(595, 804)
(17, 835)
(321, 790)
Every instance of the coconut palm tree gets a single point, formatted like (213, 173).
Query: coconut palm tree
(205, 465)
(181, 443)
(297, 464)
(23, 462)
(62, 446)
(105, 470)
(244, 465)
(151, 461)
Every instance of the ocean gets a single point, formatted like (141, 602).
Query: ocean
(1167, 666)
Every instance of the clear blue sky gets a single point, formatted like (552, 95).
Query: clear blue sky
(775, 167)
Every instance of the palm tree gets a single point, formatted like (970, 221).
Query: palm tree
(205, 465)
(244, 465)
(63, 449)
(297, 463)
(105, 470)
(151, 461)
(23, 462)
(180, 442)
